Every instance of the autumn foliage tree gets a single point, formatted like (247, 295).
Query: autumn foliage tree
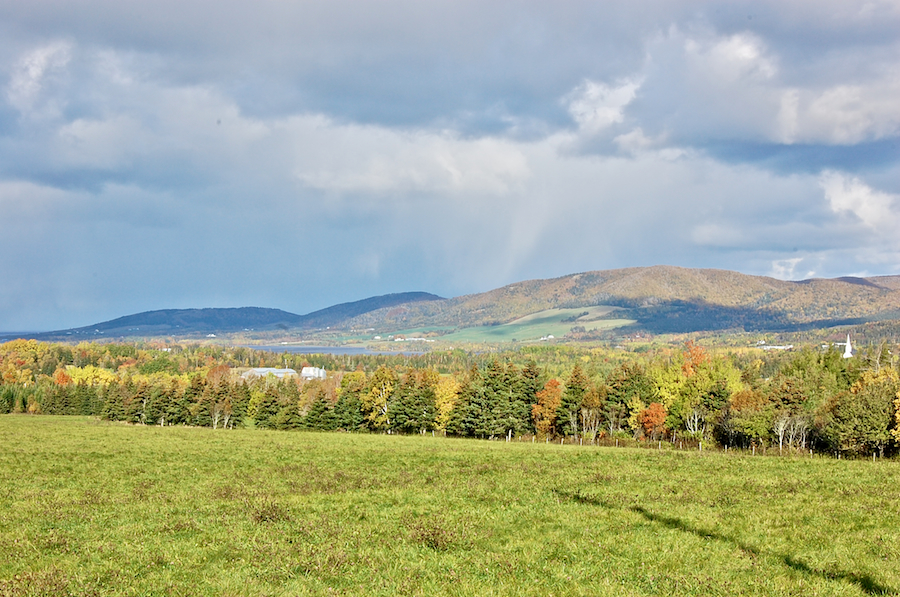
(61, 378)
(544, 412)
(653, 420)
(862, 420)
(376, 403)
(694, 357)
(592, 412)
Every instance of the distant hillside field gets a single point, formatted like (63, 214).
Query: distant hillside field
(541, 325)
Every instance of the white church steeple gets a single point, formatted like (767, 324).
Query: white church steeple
(848, 350)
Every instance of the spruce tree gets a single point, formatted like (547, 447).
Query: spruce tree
(113, 403)
(348, 412)
(570, 406)
(287, 418)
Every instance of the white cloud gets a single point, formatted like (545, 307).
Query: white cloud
(101, 143)
(706, 86)
(635, 141)
(596, 106)
(731, 59)
(786, 269)
(848, 194)
(850, 114)
(345, 158)
(31, 74)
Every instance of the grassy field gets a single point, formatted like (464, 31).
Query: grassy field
(88, 508)
(539, 325)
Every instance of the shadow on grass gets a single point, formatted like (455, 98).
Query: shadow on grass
(863, 581)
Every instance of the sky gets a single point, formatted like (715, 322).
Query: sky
(299, 154)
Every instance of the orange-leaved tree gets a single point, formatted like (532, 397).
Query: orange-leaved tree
(694, 356)
(653, 419)
(544, 412)
(61, 378)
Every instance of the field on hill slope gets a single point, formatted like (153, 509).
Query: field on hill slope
(555, 322)
(91, 508)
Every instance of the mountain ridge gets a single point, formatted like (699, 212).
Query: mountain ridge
(233, 319)
(659, 299)
(723, 298)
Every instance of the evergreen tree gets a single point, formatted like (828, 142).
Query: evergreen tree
(493, 411)
(321, 416)
(240, 402)
(191, 399)
(465, 416)
(480, 405)
(179, 407)
(567, 415)
(266, 409)
(52, 403)
(7, 398)
(349, 408)
(413, 410)
(113, 403)
(288, 417)
(511, 402)
(85, 399)
(348, 412)
(157, 406)
(136, 400)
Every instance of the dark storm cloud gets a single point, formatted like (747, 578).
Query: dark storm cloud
(298, 154)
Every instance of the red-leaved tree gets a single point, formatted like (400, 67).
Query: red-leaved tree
(653, 419)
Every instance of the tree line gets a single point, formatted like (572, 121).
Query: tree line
(812, 399)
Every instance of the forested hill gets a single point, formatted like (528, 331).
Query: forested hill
(667, 299)
(184, 321)
(214, 320)
(658, 299)
(339, 314)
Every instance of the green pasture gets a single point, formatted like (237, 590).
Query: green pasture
(540, 325)
(94, 508)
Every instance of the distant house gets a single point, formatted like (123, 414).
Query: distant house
(264, 371)
(312, 373)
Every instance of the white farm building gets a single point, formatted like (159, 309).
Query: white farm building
(264, 371)
(312, 373)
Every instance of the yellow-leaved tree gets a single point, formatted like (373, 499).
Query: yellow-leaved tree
(896, 430)
(382, 388)
(446, 395)
(90, 375)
